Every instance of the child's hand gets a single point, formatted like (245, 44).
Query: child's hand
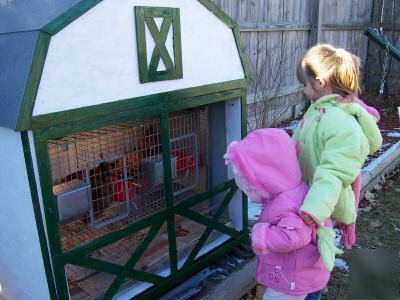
(308, 220)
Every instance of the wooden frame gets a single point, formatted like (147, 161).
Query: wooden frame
(80, 256)
(144, 16)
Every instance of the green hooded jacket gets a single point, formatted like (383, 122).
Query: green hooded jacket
(333, 140)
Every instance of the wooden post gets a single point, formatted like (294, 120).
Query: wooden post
(316, 21)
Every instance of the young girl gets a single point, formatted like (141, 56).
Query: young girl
(266, 168)
(334, 137)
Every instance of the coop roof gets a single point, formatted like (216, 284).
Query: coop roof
(28, 30)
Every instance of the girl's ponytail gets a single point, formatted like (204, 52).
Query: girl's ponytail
(345, 73)
(336, 65)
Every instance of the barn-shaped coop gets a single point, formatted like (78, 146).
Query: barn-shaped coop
(114, 117)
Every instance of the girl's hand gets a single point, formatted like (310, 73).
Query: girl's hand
(308, 220)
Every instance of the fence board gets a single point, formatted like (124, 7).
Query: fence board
(282, 30)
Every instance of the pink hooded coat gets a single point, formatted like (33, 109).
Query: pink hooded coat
(288, 257)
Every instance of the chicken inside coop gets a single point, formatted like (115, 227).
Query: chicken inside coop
(109, 178)
(113, 176)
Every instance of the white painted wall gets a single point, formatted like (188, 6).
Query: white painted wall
(94, 59)
(22, 274)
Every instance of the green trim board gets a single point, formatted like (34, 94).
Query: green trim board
(197, 266)
(38, 214)
(106, 267)
(145, 16)
(116, 284)
(84, 250)
(35, 74)
(158, 101)
(51, 215)
(168, 191)
(59, 130)
(243, 56)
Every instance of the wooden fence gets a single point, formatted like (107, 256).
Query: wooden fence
(276, 33)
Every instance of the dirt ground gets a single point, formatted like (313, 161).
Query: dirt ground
(378, 223)
(378, 227)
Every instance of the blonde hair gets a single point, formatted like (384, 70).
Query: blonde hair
(336, 65)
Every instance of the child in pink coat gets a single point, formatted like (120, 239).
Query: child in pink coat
(266, 169)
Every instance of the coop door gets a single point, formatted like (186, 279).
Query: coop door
(107, 179)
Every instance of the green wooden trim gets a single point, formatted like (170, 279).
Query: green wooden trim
(70, 255)
(165, 143)
(132, 261)
(218, 13)
(141, 46)
(242, 54)
(49, 200)
(69, 16)
(51, 215)
(173, 99)
(209, 229)
(106, 267)
(177, 42)
(204, 196)
(160, 50)
(145, 16)
(128, 115)
(197, 266)
(35, 74)
(38, 215)
(107, 239)
(199, 218)
(168, 191)
(61, 281)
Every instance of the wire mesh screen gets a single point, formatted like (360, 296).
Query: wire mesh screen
(108, 178)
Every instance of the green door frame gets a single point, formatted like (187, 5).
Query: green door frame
(160, 106)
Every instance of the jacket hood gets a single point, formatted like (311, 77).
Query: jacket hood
(366, 116)
(267, 159)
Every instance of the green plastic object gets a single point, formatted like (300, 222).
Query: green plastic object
(379, 39)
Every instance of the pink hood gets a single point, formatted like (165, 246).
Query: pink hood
(265, 165)
(267, 159)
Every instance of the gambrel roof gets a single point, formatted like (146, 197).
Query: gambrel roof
(26, 28)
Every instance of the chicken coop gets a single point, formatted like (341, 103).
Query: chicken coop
(114, 119)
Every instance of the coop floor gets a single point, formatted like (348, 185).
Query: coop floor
(89, 284)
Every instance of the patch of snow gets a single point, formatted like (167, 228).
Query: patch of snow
(393, 134)
(341, 264)
(338, 237)
(254, 210)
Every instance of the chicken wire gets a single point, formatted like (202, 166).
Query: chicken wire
(122, 166)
